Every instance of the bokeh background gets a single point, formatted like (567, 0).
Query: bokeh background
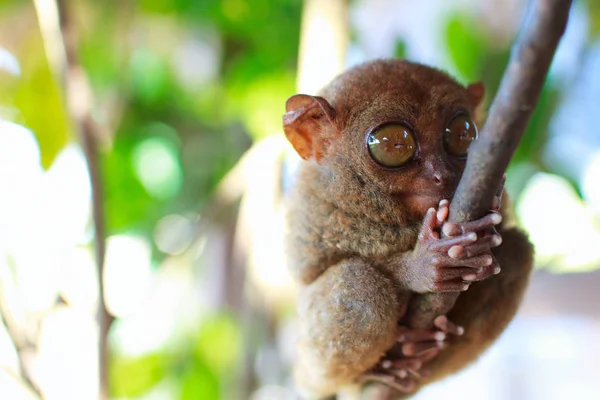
(175, 107)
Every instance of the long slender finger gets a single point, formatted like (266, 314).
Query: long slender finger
(417, 348)
(413, 364)
(420, 335)
(427, 231)
(452, 229)
(451, 286)
(493, 269)
(448, 274)
(482, 245)
(482, 260)
(442, 212)
(402, 364)
(445, 244)
(428, 355)
(445, 325)
(401, 385)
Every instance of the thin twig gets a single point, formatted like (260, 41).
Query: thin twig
(490, 154)
(22, 344)
(79, 101)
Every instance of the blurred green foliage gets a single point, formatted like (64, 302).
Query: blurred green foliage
(203, 373)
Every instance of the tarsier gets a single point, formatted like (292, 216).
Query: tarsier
(385, 145)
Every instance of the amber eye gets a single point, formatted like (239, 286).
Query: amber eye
(392, 145)
(458, 136)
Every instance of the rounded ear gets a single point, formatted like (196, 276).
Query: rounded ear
(308, 125)
(477, 92)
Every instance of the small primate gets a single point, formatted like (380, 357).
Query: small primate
(385, 145)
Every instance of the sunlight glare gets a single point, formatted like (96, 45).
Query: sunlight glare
(156, 163)
(127, 273)
(68, 361)
(558, 223)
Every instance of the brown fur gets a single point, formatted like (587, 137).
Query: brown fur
(348, 217)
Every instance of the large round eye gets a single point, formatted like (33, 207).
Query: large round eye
(392, 145)
(461, 131)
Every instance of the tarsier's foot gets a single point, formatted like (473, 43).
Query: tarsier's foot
(418, 347)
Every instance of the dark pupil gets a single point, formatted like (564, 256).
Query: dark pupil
(459, 136)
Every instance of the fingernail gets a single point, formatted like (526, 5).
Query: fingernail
(386, 364)
(469, 277)
(448, 229)
(444, 202)
(439, 344)
(497, 270)
(497, 240)
(402, 373)
(479, 270)
(401, 338)
(439, 215)
(460, 330)
(489, 260)
(464, 288)
(496, 218)
(472, 236)
(455, 251)
(440, 336)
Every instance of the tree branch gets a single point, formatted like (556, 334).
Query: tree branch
(55, 16)
(490, 154)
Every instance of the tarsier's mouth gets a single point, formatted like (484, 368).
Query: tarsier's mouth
(423, 201)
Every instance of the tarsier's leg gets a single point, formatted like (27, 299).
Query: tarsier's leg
(348, 319)
(487, 307)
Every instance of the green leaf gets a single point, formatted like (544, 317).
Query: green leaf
(219, 342)
(199, 383)
(131, 377)
(40, 100)
(466, 45)
(593, 7)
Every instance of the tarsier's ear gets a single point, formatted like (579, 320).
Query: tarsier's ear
(308, 125)
(477, 93)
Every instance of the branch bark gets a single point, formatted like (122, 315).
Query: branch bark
(490, 154)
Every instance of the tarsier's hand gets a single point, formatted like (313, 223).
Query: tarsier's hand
(486, 237)
(418, 346)
(463, 256)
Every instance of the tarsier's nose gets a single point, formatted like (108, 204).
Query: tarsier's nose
(442, 178)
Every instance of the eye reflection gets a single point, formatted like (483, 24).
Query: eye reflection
(392, 145)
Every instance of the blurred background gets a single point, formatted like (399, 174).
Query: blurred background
(143, 140)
